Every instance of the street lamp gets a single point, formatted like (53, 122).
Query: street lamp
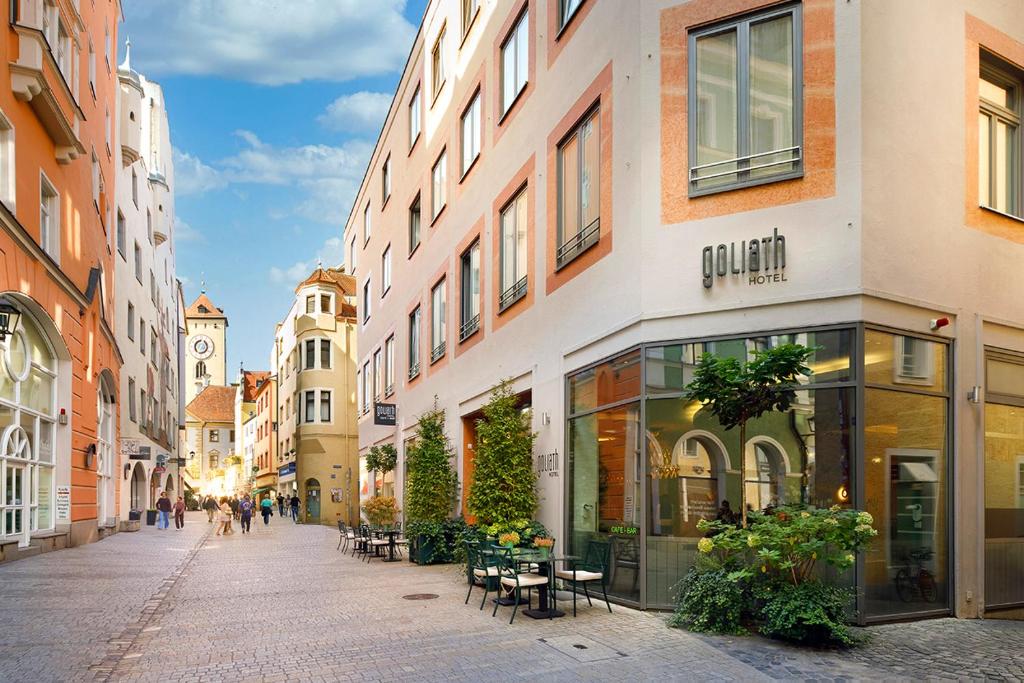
(9, 316)
(191, 455)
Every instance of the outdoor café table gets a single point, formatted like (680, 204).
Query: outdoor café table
(545, 564)
(391, 534)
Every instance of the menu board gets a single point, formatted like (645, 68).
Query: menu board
(63, 502)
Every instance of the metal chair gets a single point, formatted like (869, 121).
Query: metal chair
(593, 568)
(483, 568)
(513, 582)
(343, 536)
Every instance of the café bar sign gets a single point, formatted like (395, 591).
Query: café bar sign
(758, 261)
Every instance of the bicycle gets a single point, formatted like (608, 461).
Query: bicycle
(914, 579)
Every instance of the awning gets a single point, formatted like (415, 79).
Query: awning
(261, 489)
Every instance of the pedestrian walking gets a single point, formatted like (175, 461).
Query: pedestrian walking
(266, 509)
(179, 513)
(210, 505)
(233, 502)
(225, 517)
(245, 509)
(163, 507)
(280, 504)
(294, 502)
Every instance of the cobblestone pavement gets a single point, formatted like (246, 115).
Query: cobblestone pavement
(284, 604)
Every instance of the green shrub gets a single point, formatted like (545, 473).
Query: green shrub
(810, 613)
(711, 601)
(432, 486)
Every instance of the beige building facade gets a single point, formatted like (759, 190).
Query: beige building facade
(585, 196)
(314, 361)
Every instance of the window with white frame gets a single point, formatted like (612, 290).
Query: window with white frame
(378, 375)
(352, 254)
(915, 361)
(121, 230)
(96, 180)
(142, 337)
(437, 63)
(326, 354)
(469, 11)
(310, 304)
(579, 189)
(49, 218)
(566, 10)
(8, 174)
(414, 225)
(512, 243)
(414, 343)
(149, 225)
(92, 68)
(309, 353)
(367, 295)
(135, 188)
(515, 61)
(385, 181)
(471, 133)
(469, 321)
(415, 114)
(439, 184)
(366, 387)
(138, 262)
(1000, 143)
(744, 108)
(63, 55)
(326, 304)
(309, 406)
(438, 340)
(367, 227)
(325, 406)
(131, 400)
(131, 321)
(389, 366)
(106, 45)
(27, 432)
(385, 271)
(107, 130)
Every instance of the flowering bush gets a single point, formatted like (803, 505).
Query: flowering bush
(526, 529)
(510, 538)
(381, 510)
(768, 571)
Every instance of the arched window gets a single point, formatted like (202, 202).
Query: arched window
(105, 412)
(200, 370)
(28, 384)
(697, 469)
(764, 475)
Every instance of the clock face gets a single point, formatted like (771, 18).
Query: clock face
(202, 347)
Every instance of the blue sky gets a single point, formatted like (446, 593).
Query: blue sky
(274, 108)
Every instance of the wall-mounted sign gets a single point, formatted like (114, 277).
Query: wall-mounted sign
(285, 470)
(384, 414)
(63, 502)
(546, 463)
(142, 453)
(129, 447)
(759, 261)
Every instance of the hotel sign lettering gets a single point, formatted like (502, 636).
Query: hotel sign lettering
(758, 261)
(384, 414)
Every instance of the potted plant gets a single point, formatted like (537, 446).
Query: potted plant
(431, 489)
(150, 516)
(382, 459)
(509, 539)
(544, 545)
(381, 511)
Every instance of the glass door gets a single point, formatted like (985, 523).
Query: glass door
(15, 504)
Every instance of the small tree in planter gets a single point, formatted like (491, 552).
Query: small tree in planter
(504, 485)
(382, 459)
(381, 510)
(431, 488)
(736, 392)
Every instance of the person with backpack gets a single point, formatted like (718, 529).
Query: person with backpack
(266, 509)
(245, 509)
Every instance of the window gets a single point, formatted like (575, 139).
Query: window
(414, 343)
(745, 121)
(96, 180)
(437, 65)
(366, 387)
(367, 293)
(144, 407)
(385, 271)
(513, 256)
(131, 401)
(120, 234)
(135, 188)
(471, 133)
(515, 62)
(152, 287)
(92, 68)
(352, 254)
(49, 219)
(149, 226)
(310, 304)
(385, 181)
(1000, 166)
(439, 183)
(325, 354)
(325, 304)
(106, 45)
(469, 10)
(414, 117)
(107, 128)
(366, 224)
(566, 10)
(142, 337)
(214, 455)
(8, 174)
(200, 370)
(389, 366)
(310, 407)
(579, 190)
(325, 406)
(310, 354)
(131, 321)
(470, 314)
(378, 376)
(414, 225)
(437, 326)
(63, 51)
(138, 263)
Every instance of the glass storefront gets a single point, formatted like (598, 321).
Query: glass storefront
(1004, 482)
(636, 445)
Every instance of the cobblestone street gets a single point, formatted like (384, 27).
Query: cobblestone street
(284, 604)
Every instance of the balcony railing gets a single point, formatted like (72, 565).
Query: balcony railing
(437, 352)
(512, 294)
(578, 243)
(414, 370)
(469, 327)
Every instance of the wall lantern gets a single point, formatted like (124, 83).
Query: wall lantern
(9, 317)
(127, 469)
(90, 456)
(191, 455)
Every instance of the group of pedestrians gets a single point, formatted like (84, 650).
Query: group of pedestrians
(228, 509)
(164, 508)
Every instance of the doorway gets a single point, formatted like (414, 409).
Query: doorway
(312, 500)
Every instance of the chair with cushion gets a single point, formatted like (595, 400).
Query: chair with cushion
(481, 567)
(593, 568)
(376, 543)
(513, 582)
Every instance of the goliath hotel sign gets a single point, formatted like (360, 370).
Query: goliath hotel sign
(759, 261)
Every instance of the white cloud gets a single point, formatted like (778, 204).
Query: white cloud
(330, 254)
(192, 176)
(184, 232)
(360, 112)
(271, 42)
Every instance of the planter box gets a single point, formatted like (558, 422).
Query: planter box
(424, 551)
(130, 525)
(150, 517)
(135, 515)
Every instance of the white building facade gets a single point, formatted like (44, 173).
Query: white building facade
(146, 295)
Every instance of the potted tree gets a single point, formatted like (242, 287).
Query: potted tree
(382, 459)
(431, 489)
(381, 511)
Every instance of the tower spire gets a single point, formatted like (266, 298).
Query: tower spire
(127, 63)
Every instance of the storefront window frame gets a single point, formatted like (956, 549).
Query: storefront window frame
(856, 381)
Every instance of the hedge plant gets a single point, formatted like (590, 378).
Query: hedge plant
(432, 483)
(504, 487)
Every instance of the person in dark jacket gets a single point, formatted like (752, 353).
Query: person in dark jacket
(280, 504)
(233, 502)
(163, 506)
(295, 507)
(245, 510)
(179, 513)
(210, 505)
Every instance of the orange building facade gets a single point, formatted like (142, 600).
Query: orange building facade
(60, 364)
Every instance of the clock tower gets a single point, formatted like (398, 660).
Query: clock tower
(205, 346)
